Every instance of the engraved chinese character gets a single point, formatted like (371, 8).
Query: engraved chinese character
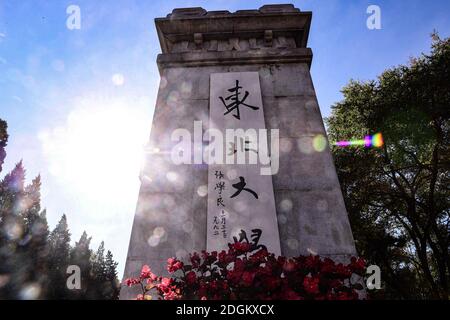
(243, 144)
(219, 175)
(220, 186)
(234, 101)
(240, 186)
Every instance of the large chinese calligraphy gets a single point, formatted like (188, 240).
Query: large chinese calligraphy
(239, 197)
(235, 103)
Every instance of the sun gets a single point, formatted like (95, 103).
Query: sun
(99, 150)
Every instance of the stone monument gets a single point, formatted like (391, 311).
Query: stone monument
(275, 183)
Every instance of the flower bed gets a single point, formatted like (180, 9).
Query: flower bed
(241, 273)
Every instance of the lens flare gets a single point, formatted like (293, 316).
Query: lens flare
(375, 141)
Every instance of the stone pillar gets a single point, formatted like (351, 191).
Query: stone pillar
(171, 214)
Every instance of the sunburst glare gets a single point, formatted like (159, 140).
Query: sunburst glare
(99, 149)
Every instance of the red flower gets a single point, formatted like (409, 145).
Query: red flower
(170, 295)
(209, 258)
(267, 270)
(343, 271)
(132, 281)
(259, 256)
(257, 275)
(225, 257)
(234, 276)
(289, 266)
(166, 281)
(272, 283)
(164, 286)
(213, 285)
(191, 277)
(225, 285)
(239, 265)
(292, 295)
(328, 266)
(346, 295)
(247, 278)
(202, 291)
(145, 272)
(335, 283)
(357, 265)
(312, 262)
(281, 261)
(174, 265)
(195, 260)
(311, 285)
(240, 247)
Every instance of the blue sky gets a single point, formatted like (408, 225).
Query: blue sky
(79, 103)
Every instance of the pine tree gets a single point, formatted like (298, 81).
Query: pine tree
(11, 232)
(41, 250)
(34, 245)
(11, 193)
(15, 180)
(31, 255)
(31, 203)
(98, 265)
(111, 277)
(59, 242)
(12, 188)
(80, 255)
(99, 274)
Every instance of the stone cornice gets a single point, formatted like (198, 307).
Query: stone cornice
(270, 27)
(259, 56)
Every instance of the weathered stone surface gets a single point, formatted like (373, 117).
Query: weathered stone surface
(278, 20)
(278, 8)
(294, 116)
(304, 171)
(171, 216)
(187, 12)
(313, 222)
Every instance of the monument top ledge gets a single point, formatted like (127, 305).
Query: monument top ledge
(196, 29)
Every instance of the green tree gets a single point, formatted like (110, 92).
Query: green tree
(23, 234)
(98, 263)
(11, 233)
(80, 255)
(34, 245)
(58, 259)
(111, 277)
(397, 196)
(31, 257)
(98, 274)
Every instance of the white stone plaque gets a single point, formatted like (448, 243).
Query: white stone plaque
(239, 196)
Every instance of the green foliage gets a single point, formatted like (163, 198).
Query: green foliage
(398, 196)
(34, 261)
